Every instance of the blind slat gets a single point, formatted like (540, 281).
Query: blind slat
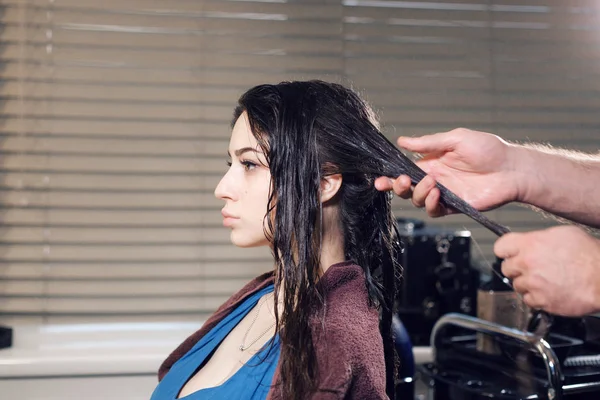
(51, 89)
(117, 236)
(108, 147)
(92, 164)
(128, 218)
(171, 201)
(167, 42)
(192, 252)
(107, 128)
(100, 289)
(191, 9)
(174, 60)
(193, 76)
(108, 183)
(278, 24)
(89, 307)
(436, 34)
(131, 271)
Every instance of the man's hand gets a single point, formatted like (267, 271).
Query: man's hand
(478, 167)
(557, 270)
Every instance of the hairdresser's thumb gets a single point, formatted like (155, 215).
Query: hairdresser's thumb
(436, 143)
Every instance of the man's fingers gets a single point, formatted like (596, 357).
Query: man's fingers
(383, 184)
(425, 194)
(508, 245)
(535, 302)
(422, 190)
(510, 268)
(530, 297)
(432, 204)
(436, 143)
(402, 187)
(520, 284)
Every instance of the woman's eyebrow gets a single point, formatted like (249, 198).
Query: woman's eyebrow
(243, 150)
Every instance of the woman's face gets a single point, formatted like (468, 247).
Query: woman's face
(245, 188)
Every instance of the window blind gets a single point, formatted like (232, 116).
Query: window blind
(115, 126)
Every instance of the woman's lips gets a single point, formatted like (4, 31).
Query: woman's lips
(228, 219)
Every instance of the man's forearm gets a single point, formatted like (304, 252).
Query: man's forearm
(562, 182)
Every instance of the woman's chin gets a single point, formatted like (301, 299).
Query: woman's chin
(245, 241)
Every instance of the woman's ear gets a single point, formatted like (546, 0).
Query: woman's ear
(330, 185)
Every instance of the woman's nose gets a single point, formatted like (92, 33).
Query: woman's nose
(224, 190)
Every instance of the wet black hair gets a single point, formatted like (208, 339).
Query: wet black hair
(308, 130)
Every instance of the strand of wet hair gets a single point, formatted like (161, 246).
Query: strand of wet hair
(447, 197)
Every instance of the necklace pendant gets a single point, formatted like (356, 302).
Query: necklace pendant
(241, 347)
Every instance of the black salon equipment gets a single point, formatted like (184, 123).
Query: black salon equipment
(437, 276)
(486, 344)
(6, 337)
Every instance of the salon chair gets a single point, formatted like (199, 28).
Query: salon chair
(405, 386)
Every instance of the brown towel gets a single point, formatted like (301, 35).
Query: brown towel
(346, 336)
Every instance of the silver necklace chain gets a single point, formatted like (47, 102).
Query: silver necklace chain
(242, 346)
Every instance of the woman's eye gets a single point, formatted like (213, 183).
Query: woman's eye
(248, 165)
(228, 163)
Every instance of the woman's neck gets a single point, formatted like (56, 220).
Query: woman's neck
(332, 245)
(332, 253)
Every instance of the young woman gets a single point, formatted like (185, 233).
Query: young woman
(303, 160)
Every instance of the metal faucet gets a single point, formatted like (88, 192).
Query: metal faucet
(555, 377)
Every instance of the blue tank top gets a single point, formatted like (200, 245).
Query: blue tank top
(251, 382)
